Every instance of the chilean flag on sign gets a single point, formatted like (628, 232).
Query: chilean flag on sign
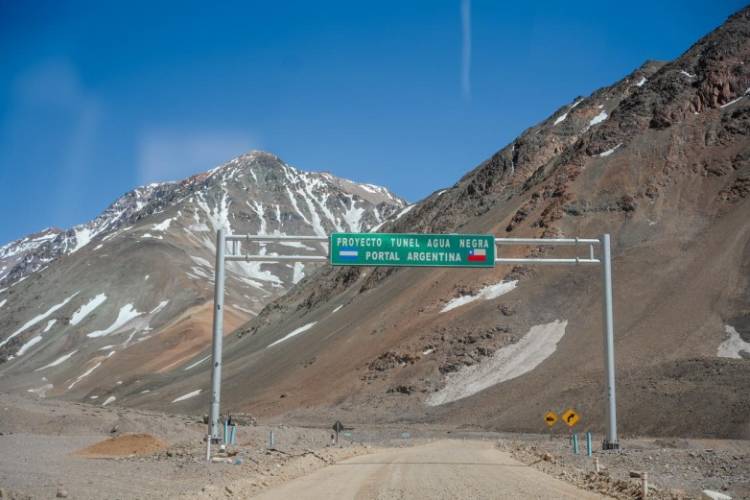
(477, 255)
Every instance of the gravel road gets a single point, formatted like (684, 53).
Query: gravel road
(444, 469)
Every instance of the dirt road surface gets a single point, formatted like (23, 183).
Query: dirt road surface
(445, 469)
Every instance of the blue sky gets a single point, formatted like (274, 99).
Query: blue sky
(99, 97)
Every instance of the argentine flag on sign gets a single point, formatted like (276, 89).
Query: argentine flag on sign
(348, 253)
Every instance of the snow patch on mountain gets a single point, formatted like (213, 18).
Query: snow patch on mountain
(162, 226)
(489, 292)
(127, 313)
(159, 307)
(299, 272)
(85, 374)
(505, 364)
(25, 244)
(316, 221)
(598, 119)
(609, 151)
(32, 342)
(322, 203)
(193, 365)
(33, 321)
(217, 216)
(251, 273)
(87, 309)
(83, 236)
(400, 214)
(187, 396)
(260, 211)
(734, 345)
(353, 215)
(404, 211)
(560, 119)
(733, 101)
(58, 361)
(293, 333)
(293, 201)
(41, 391)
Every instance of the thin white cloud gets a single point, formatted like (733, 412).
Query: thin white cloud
(49, 83)
(466, 49)
(51, 91)
(165, 154)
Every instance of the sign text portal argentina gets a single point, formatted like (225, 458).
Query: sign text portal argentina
(412, 250)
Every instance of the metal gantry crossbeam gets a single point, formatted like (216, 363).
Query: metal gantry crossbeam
(604, 259)
(549, 242)
(235, 256)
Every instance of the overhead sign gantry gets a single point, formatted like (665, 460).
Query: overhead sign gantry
(415, 250)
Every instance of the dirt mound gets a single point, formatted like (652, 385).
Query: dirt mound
(125, 445)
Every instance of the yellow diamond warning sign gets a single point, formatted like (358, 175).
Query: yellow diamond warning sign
(550, 418)
(570, 417)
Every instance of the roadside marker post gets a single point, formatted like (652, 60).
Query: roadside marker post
(337, 427)
(550, 418)
(414, 250)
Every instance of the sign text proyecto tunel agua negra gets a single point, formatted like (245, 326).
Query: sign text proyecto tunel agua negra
(412, 250)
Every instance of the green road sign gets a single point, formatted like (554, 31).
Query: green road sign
(412, 250)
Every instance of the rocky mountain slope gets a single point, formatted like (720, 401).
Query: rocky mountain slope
(131, 292)
(660, 159)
